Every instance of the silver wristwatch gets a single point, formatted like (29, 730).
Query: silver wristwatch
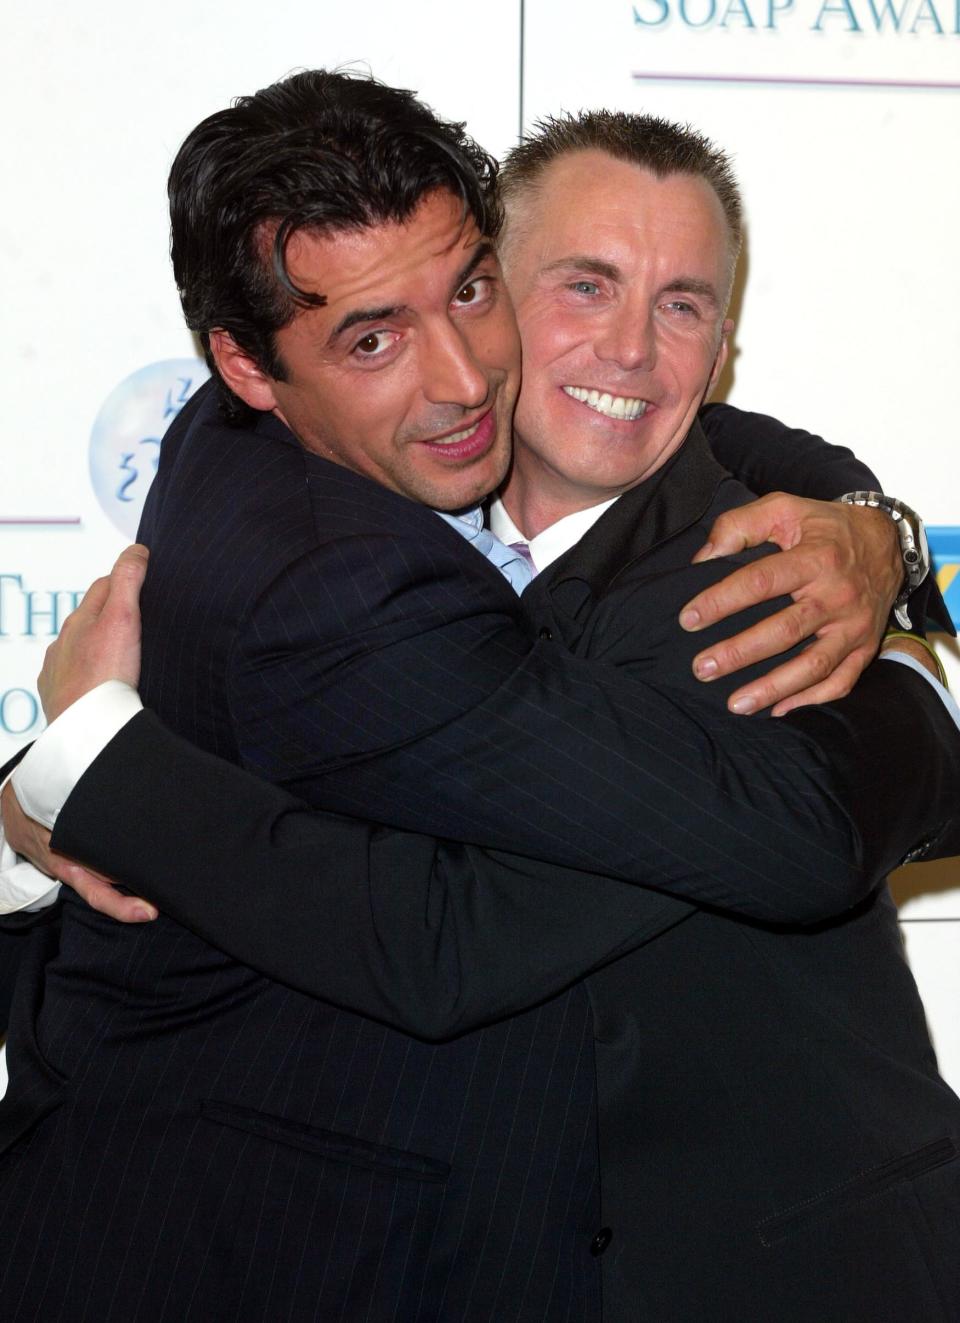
(913, 544)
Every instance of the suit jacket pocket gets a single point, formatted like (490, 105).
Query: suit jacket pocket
(875, 1181)
(345, 1149)
(36, 1086)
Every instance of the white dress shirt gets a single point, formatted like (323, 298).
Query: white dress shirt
(549, 545)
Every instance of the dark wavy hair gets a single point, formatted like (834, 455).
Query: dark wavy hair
(321, 151)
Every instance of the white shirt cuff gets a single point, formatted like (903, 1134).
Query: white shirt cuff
(22, 887)
(53, 766)
(946, 698)
(48, 773)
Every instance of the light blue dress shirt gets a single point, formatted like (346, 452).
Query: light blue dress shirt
(514, 567)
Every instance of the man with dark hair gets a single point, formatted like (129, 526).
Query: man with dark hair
(327, 154)
(220, 1146)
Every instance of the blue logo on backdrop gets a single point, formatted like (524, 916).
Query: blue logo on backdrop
(945, 551)
(125, 441)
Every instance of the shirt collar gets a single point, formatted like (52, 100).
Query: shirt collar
(468, 523)
(549, 545)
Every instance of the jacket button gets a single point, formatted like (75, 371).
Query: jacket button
(545, 633)
(600, 1241)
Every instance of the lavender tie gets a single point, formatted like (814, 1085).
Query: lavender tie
(523, 549)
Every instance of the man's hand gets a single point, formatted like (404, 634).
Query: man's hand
(32, 840)
(100, 640)
(841, 565)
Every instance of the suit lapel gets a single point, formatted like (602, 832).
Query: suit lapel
(674, 498)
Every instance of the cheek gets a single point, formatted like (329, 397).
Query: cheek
(688, 358)
(377, 404)
(546, 335)
(497, 340)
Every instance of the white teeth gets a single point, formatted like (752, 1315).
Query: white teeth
(456, 436)
(612, 406)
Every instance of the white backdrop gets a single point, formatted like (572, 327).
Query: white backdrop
(843, 116)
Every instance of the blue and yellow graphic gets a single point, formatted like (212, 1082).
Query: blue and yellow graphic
(125, 441)
(945, 551)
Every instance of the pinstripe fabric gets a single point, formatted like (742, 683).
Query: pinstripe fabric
(220, 1147)
(229, 1149)
(225, 1148)
(775, 1140)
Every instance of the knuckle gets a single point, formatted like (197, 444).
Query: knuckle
(832, 570)
(805, 617)
(819, 665)
(760, 580)
(102, 899)
(766, 694)
(846, 596)
(731, 657)
(792, 629)
(707, 604)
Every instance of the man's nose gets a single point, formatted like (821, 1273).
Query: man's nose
(628, 338)
(451, 372)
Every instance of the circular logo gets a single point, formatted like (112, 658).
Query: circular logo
(125, 441)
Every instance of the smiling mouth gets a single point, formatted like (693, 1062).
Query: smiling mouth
(456, 437)
(466, 444)
(623, 407)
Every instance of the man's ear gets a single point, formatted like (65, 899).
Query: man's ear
(241, 373)
(722, 352)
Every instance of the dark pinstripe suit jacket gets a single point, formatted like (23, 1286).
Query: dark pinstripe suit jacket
(775, 1140)
(219, 1146)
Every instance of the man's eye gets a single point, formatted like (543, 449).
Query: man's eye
(682, 307)
(585, 287)
(375, 342)
(474, 291)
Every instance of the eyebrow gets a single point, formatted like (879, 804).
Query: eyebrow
(360, 315)
(691, 285)
(481, 253)
(365, 315)
(596, 266)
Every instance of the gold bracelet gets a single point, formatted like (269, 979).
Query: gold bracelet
(904, 634)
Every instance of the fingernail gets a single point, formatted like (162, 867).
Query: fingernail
(744, 706)
(689, 619)
(704, 667)
(705, 552)
(144, 912)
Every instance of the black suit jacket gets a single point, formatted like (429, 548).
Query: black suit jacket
(775, 1140)
(157, 1019)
